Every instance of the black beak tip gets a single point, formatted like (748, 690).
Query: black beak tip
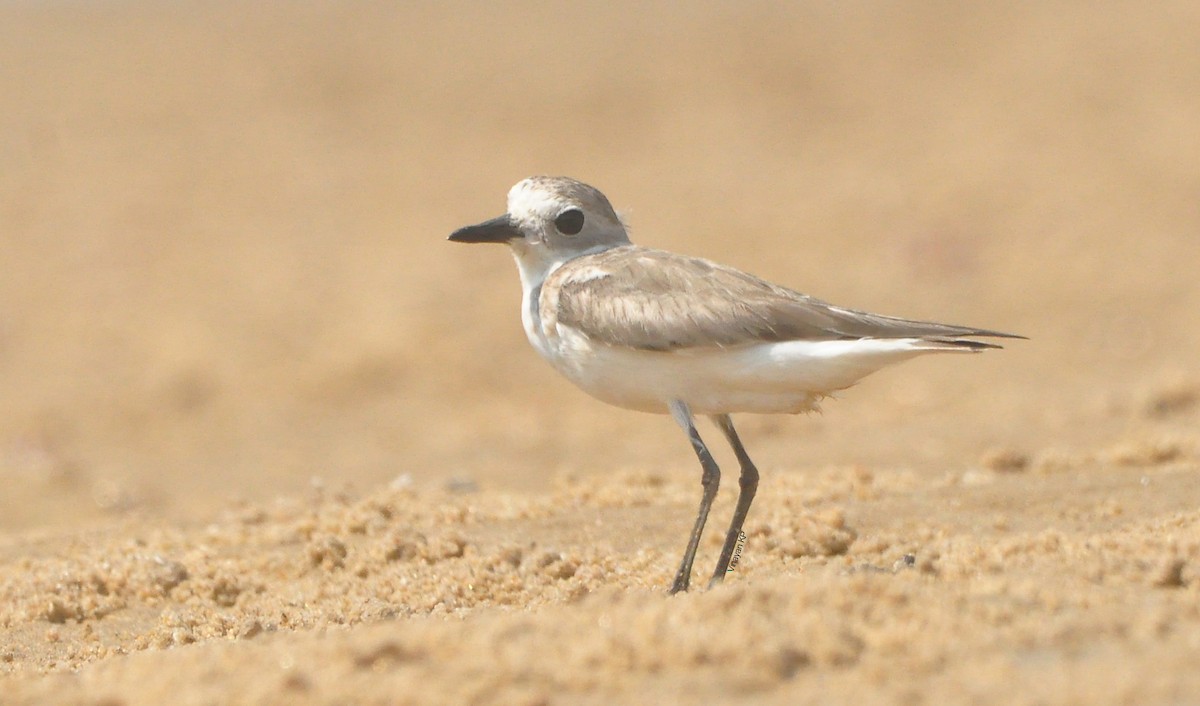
(497, 230)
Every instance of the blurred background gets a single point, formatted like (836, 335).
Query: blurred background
(223, 267)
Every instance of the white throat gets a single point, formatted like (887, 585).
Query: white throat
(536, 263)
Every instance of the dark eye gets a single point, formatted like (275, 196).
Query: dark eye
(569, 222)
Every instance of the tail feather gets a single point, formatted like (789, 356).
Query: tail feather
(963, 344)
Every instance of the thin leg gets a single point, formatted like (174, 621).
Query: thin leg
(710, 479)
(748, 485)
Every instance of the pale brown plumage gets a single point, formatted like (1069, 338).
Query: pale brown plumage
(653, 300)
(658, 332)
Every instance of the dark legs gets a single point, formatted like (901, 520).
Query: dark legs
(710, 479)
(748, 485)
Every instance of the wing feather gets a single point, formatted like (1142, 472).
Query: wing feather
(653, 300)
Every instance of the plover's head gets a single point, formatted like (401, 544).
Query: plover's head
(554, 217)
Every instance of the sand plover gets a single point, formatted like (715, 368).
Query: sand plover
(659, 332)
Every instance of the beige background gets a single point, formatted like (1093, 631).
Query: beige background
(230, 330)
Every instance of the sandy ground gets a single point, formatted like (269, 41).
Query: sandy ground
(266, 438)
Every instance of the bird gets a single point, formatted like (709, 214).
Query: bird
(664, 333)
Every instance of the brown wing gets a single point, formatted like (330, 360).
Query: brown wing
(653, 300)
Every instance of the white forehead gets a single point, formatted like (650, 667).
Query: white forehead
(530, 198)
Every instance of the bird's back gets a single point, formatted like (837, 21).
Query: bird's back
(647, 299)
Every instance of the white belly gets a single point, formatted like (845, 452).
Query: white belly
(787, 377)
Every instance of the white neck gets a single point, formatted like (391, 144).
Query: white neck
(535, 264)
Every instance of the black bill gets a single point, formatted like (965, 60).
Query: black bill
(497, 230)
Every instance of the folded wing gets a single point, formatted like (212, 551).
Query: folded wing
(654, 300)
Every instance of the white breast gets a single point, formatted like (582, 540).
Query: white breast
(535, 266)
(769, 378)
(533, 270)
(782, 377)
